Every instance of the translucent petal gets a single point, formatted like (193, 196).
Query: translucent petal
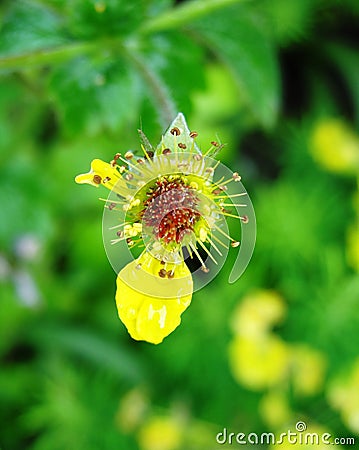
(146, 317)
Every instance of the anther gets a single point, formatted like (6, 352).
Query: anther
(170, 273)
(150, 154)
(97, 179)
(236, 177)
(120, 233)
(128, 155)
(197, 157)
(193, 134)
(235, 244)
(105, 180)
(175, 131)
(162, 273)
(182, 145)
(215, 143)
(140, 161)
(111, 206)
(205, 269)
(245, 219)
(117, 156)
(166, 151)
(128, 176)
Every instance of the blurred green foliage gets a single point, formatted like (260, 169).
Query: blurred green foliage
(278, 82)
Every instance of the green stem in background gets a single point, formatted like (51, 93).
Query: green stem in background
(158, 89)
(47, 56)
(183, 14)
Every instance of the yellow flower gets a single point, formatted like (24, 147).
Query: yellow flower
(335, 146)
(168, 203)
(343, 395)
(260, 362)
(150, 317)
(160, 433)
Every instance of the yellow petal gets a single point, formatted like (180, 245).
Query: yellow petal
(150, 317)
(104, 174)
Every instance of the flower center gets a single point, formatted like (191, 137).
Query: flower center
(171, 209)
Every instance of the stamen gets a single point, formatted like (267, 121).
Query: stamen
(219, 241)
(207, 251)
(198, 255)
(233, 204)
(189, 251)
(232, 195)
(139, 171)
(214, 246)
(236, 176)
(128, 155)
(149, 154)
(118, 226)
(244, 219)
(222, 232)
(175, 131)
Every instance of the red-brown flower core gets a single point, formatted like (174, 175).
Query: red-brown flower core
(171, 209)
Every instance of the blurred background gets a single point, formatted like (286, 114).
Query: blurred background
(278, 82)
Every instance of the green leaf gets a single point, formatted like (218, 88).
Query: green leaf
(107, 354)
(347, 62)
(28, 26)
(290, 21)
(178, 62)
(92, 94)
(94, 18)
(237, 37)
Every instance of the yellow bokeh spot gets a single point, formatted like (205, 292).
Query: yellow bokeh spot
(100, 7)
(160, 433)
(258, 312)
(335, 146)
(343, 395)
(352, 249)
(308, 370)
(149, 317)
(274, 409)
(132, 408)
(259, 363)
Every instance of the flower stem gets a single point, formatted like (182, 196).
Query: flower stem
(184, 14)
(47, 56)
(159, 92)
